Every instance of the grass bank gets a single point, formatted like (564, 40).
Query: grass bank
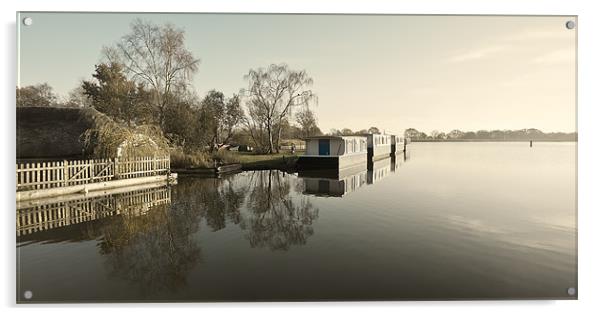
(282, 161)
(201, 159)
(250, 161)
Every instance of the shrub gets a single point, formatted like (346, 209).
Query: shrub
(198, 159)
(226, 157)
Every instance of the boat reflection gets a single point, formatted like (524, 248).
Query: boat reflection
(340, 182)
(397, 161)
(334, 182)
(378, 170)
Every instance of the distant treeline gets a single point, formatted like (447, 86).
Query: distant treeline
(493, 135)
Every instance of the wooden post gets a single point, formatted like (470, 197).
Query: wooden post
(65, 173)
(43, 178)
(115, 168)
(91, 162)
(530, 143)
(155, 161)
(26, 173)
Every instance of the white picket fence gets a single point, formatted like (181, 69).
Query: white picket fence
(54, 174)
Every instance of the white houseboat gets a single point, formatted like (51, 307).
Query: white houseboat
(398, 144)
(333, 152)
(379, 146)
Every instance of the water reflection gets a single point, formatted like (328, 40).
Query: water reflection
(141, 239)
(334, 182)
(155, 251)
(45, 214)
(264, 204)
(379, 170)
(418, 232)
(339, 182)
(275, 220)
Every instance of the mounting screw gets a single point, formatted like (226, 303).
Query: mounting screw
(570, 24)
(28, 21)
(571, 291)
(28, 294)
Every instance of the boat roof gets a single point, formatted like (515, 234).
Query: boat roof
(331, 136)
(379, 134)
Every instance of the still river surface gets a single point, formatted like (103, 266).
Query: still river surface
(447, 221)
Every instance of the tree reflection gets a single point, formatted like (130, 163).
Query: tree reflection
(222, 201)
(262, 203)
(154, 250)
(275, 220)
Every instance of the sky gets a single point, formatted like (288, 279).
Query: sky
(393, 71)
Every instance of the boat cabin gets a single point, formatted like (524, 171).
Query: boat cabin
(329, 152)
(397, 144)
(379, 146)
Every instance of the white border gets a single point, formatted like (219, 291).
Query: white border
(590, 26)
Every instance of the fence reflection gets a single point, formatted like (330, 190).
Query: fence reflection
(46, 214)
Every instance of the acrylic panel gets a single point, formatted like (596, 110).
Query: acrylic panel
(204, 157)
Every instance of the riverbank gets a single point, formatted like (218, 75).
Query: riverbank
(281, 161)
(200, 163)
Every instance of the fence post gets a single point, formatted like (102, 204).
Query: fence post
(91, 161)
(155, 165)
(65, 173)
(116, 169)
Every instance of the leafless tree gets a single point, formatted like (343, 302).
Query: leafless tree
(273, 93)
(156, 56)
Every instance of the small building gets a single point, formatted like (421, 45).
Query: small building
(379, 146)
(333, 152)
(397, 144)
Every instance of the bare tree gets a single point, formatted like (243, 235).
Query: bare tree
(156, 56)
(272, 94)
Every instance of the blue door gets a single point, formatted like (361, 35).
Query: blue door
(324, 147)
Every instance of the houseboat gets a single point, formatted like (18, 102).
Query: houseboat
(334, 152)
(334, 183)
(379, 146)
(398, 144)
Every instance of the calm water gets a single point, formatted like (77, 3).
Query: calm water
(451, 221)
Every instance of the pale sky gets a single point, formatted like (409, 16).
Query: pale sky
(393, 72)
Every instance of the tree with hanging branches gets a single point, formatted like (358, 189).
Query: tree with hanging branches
(273, 94)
